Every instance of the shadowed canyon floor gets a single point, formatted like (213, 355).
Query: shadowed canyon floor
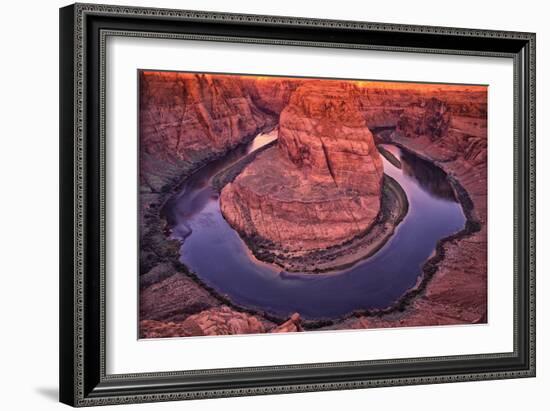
(196, 127)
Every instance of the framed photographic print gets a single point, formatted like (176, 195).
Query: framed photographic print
(260, 204)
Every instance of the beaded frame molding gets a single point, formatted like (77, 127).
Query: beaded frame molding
(83, 32)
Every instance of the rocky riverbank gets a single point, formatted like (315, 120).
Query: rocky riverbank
(187, 121)
(393, 208)
(453, 288)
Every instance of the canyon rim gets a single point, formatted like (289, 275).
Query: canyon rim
(279, 204)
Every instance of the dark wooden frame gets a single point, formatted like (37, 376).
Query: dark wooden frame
(83, 29)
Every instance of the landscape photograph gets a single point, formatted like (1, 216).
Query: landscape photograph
(271, 204)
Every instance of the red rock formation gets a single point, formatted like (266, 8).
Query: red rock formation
(215, 321)
(187, 117)
(292, 325)
(384, 103)
(310, 192)
(174, 298)
(321, 186)
(271, 94)
(448, 125)
(429, 118)
(324, 133)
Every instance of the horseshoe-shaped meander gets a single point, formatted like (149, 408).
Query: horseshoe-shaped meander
(215, 252)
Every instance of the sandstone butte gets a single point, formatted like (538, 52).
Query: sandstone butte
(320, 186)
(187, 119)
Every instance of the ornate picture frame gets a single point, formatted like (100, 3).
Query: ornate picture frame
(84, 29)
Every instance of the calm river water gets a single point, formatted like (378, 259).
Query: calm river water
(216, 253)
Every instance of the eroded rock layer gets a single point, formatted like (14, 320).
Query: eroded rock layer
(188, 119)
(321, 185)
(448, 126)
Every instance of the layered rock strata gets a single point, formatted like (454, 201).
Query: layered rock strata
(321, 186)
(447, 126)
(188, 119)
(221, 320)
(215, 321)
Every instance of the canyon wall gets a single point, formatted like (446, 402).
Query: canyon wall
(290, 193)
(187, 118)
(448, 126)
(445, 124)
(321, 185)
(457, 292)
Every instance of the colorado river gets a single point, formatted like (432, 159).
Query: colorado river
(215, 252)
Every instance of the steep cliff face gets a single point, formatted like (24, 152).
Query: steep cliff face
(186, 118)
(271, 94)
(447, 125)
(429, 118)
(384, 103)
(444, 123)
(324, 133)
(321, 185)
